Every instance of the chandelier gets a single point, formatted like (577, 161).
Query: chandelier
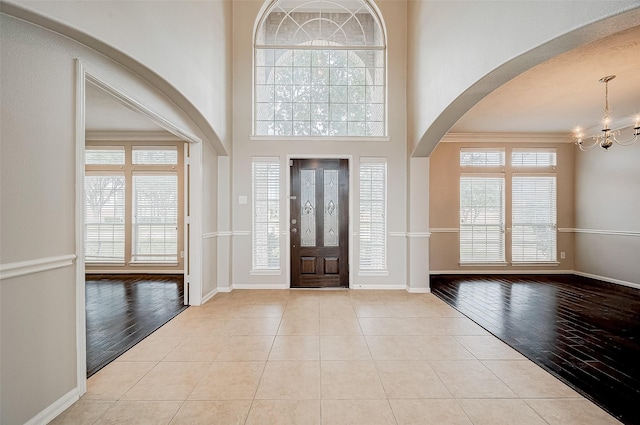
(608, 136)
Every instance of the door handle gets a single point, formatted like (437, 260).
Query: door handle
(294, 230)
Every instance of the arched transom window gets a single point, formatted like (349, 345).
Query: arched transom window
(320, 70)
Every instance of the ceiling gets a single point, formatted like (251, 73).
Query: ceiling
(564, 92)
(554, 97)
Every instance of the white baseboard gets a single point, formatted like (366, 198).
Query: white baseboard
(418, 290)
(509, 271)
(53, 410)
(209, 296)
(225, 289)
(607, 279)
(366, 286)
(260, 286)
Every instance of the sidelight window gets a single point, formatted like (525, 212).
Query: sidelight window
(373, 214)
(266, 213)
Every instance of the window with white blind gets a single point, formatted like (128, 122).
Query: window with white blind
(133, 205)
(482, 209)
(533, 157)
(533, 199)
(480, 157)
(266, 213)
(373, 214)
(155, 217)
(104, 211)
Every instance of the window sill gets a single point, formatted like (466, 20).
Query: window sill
(265, 272)
(487, 264)
(153, 263)
(536, 263)
(104, 264)
(373, 273)
(320, 138)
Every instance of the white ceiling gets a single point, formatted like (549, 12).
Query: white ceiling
(563, 93)
(553, 97)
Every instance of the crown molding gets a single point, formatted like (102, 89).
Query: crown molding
(508, 137)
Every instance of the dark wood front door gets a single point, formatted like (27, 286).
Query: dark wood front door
(319, 223)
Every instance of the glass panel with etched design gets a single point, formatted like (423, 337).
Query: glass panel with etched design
(331, 208)
(308, 207)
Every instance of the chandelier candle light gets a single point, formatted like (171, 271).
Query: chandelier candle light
(608, 136)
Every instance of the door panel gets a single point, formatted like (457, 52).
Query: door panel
(319, 223)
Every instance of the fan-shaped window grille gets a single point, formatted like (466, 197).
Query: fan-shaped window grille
(320, 70)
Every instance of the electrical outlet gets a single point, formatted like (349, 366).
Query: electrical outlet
(562, 255)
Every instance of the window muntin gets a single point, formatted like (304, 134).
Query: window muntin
(482, 212)
(266, 213)
(320, 70)
(373, 214)
(533, 233)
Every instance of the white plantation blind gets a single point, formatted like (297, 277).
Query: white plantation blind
(482, 212)
(155, 217)
(481, 157)
(266, 213)
(104, 155)
(154, 155)
(104, 213)
(532, 157)
(373, 214)
(534, 218)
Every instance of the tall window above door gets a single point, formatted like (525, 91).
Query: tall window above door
(320, 70)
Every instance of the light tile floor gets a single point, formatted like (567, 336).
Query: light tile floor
(326, 357)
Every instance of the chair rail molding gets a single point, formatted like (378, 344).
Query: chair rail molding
(600, 231)
(23, 268)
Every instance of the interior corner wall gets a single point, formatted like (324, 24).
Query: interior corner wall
(460, 51)
(607, 199)
(444, 208)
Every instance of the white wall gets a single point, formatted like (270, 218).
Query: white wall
(244, 17)
(185, 42)
(460, 51)
(607, 213)
(38, 221)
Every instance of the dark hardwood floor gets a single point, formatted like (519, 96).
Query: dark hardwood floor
(122, 310)
(583, 331)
